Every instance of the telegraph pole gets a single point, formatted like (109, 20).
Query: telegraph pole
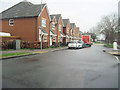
(41, 24)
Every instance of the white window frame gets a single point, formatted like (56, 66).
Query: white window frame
(45, 38)
(53, 26)
(68, 30)
(54, 39)
(61, 38)
(11, 22)
(43, 22)
(59, 27)
(71, 31)
(58, 38)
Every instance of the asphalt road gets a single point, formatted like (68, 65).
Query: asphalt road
(80, 68)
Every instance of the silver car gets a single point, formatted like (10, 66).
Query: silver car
(74, 44)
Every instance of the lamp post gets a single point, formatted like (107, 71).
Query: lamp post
(41, 24)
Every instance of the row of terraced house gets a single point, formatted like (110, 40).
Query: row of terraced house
(24, 20)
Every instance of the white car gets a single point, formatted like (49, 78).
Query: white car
(74, 44)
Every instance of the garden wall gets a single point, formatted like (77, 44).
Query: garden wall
(8, 44)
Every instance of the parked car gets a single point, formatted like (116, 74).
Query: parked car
(74, 44)
(83, 44)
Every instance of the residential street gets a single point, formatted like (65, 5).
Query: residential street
(79, 68)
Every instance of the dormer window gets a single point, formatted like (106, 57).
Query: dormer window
(11, 22)
(53, 26)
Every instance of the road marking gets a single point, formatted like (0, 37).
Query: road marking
(117, 59)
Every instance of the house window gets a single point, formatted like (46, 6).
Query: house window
(54, 39)
(59, 27)
(61, 39)
(43, 22)
(58, 39)
(11, 22)
(53, 26)
(45, 38)
(67, 30)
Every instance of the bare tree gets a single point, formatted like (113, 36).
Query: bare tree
(109, 27)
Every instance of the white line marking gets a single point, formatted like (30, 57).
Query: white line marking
(117, 59)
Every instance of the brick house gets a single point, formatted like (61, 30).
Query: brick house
(58, 28)
(73, 30)
(80, 36)
(66, 31)
(78, 33)
(53, 30)
(24, 20)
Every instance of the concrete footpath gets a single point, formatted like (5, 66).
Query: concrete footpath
(113, 52)
(110, 50)
(31, 51)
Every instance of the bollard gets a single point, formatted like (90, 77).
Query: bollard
(114, 45)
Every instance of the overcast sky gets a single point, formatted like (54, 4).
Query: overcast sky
(84, 13)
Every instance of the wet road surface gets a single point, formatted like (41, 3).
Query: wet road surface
(80, 68)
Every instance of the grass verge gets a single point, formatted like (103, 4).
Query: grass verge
(99, 42)
(108, 45)
(14, 54)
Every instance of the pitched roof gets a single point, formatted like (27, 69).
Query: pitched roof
(51, 16)
(57, 16)
(65, 22)
(72, 25)
(22, 9)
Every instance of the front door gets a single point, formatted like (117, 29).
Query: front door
(50, 40)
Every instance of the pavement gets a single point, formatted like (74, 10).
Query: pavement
(69, 68)
(32, 52)
(111, 51)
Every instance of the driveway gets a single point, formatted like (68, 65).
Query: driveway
(80, 68)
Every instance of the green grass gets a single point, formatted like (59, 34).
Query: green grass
(56, 47)
(14, 54)
(99, 42)
(19, 49)
(108, 45)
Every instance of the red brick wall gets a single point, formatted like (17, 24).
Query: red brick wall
(23, 27)
(68, 26)
(8, 44)
(46, 16)
(53, 21)
(60, 23)
(65, 31)
(33, 45)
(9, 38)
